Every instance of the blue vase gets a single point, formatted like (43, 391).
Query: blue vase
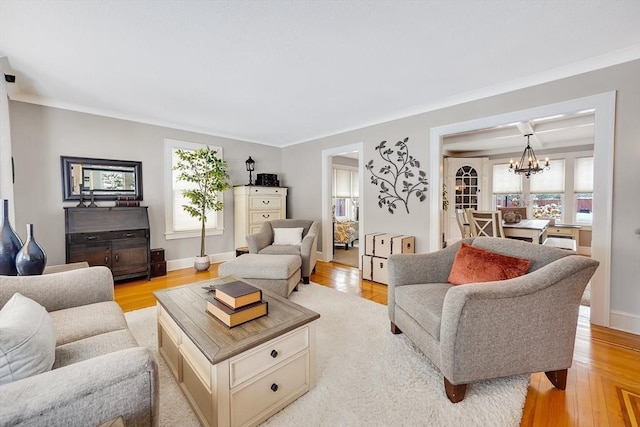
(31, 259)
(10, 243)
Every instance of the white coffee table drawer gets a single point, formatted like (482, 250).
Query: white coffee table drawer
(259, 399)
(251, 363)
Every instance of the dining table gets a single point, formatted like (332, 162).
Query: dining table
(534, 229)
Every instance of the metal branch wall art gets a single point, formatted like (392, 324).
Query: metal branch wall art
(397, 178)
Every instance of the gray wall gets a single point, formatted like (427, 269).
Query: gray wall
(625, 78)
(40, 135)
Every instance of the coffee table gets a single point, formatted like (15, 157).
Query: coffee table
(242, 375)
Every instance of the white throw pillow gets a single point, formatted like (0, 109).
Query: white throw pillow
(287, 236)
(27, 339)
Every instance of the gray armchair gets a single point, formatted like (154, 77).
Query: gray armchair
(99, 374)
(489, 330)
(262, 243)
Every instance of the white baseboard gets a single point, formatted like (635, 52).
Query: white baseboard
(627, 322)
(177, 264)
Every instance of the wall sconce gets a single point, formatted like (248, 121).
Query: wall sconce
(251, 165)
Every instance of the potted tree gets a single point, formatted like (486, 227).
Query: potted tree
(208, 172)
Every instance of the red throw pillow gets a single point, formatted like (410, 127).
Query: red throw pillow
(474, 265)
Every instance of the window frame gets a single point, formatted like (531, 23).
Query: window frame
(170, 234)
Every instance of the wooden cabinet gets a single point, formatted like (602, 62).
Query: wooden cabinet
(254, 205)
(115, 237)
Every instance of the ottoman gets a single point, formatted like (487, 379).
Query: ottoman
(279, 274)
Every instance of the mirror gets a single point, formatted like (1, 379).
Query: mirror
(108, 179)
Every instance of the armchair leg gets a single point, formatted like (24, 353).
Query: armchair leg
(558, 378)
(455, 393)
(305, 280)
(394, 329)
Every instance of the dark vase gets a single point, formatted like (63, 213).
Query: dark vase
(31, 259)
(10, 243)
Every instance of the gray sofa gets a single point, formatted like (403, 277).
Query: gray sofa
(99, 374)
(488, 330)
(262, 243)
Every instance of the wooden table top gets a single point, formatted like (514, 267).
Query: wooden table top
(187, 307)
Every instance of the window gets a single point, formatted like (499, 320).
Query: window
(507, 187)
(583, 190)
(345, 193)
(547, 191)
(466, 189)
(178, 223)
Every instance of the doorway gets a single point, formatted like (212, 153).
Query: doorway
(604, 110)
(354, 152)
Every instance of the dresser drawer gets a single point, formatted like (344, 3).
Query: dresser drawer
(251, 363)
(265, 203)
(561, 231)
(261, 398)
(262, 216)
(268, 191)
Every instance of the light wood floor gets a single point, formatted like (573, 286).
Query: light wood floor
(603, 385)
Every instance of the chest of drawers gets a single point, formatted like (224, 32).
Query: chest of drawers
(254, 205)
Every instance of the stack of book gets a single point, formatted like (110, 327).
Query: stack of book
(237, 302)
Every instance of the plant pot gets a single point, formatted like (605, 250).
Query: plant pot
(202, 263)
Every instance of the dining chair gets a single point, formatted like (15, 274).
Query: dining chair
(463, 223)
(485, 223)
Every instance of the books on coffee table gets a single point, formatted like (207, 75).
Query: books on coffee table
(234, 317)
(237, 294)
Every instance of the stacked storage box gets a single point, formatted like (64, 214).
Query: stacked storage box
(377, 248)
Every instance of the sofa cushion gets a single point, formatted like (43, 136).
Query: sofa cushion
(76, 323)
(94, 346)
(475, 265)
(281, 250)
(424, 303)
(27, 339)
(287, 236)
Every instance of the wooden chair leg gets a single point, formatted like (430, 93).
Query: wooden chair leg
(455, 393)
(395, 329)
(558, 378)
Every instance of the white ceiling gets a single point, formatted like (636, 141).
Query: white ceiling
(547, 134)
(284, 72)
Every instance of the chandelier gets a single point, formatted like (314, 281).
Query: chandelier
(528, 164)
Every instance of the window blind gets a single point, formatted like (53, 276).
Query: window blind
(583, 180)
(505, 182)
(550, 181)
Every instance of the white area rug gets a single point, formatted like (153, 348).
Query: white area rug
(366, 375)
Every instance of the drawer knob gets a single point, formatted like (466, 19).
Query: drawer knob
(274, 387)
(265, 216)
(266, 202)
(274, 353)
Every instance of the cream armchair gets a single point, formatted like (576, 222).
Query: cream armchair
(262, 243)
(489, 330)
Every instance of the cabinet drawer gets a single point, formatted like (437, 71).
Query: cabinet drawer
(268, 191)
(367, 267)
(380, 271)
(262, 216)
(106, 236)
(266, 203)
(260, 398)
(560, 231)
(253, 362)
